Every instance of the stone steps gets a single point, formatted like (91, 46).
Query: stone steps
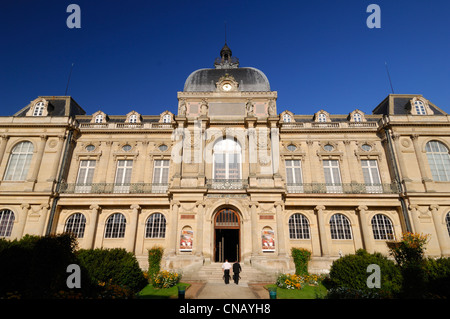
(213, 273)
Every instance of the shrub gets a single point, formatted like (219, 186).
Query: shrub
(351, 272)
(438, 277)
(154, 261)
(115, 267)
(34, 266)
(301, 257)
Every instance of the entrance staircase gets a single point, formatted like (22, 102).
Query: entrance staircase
(213, 273)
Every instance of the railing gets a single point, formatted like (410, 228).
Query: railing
(347, 188)
(113, 125)
(327, 125)
(226, 183)
(111, 188)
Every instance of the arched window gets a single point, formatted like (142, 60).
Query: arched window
(19, 162)
(340, 227)
(439, 160)
(38, 109)
(76, 224)
(382, 227)
(227, 159)
(115, 226)
(6, 222)
(447, 221)
(155, 227)
(298, 227)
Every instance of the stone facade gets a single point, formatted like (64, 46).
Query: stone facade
(228, 169)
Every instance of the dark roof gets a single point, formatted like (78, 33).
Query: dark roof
(57, 106)
(249, 79)
(400, 104)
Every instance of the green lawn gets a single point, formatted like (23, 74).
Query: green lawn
(160, 293)
(307, 292)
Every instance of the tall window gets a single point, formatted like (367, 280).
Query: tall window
(420, 108)
(19, 162)
(155, 227)
(340, 227)
(227, 159)
(115, 226)
(371, 176)
(382, 227)
(294, 176)
(439, 160)
(85, 176)
(332, 176)
(38, 109)
(160, 176)
(75, 225)
(123, 176)
(298, 227)
(6, 222)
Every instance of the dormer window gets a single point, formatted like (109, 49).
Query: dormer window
(287, 118)
(39, 109)
(133, 118)
(99, 118)
(322, 117)
(420, 108)
(357, 117)
(167, 118)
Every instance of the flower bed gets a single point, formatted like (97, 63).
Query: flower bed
(292, 281)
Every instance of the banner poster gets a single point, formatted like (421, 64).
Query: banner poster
(268, 240)
(186, 239)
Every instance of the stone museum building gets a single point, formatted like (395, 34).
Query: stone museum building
(228, 174)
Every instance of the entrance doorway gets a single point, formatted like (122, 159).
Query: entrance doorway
(227, 236)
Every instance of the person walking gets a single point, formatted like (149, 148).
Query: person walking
(236, 270)
(226, 266)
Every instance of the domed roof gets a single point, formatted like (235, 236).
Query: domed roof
(249, 79)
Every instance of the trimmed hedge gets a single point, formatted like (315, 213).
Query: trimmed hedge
(301, 258)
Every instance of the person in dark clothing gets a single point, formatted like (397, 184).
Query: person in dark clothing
(236, 270)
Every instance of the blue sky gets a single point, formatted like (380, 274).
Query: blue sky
(136, 55)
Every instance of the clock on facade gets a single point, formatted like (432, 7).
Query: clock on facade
(226, 87)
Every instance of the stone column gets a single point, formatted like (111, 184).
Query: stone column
(199, 235)
(280, 229)
(38, 161)
(57, 160)
(322, 231)
(401, 161)
(131, 241)
(23, 215)
(311, 176)
(419, 155)
(348, 160)
(90, 236)
(255, 236)
(4, 141)
(440, 228)
(42, 218)
(415, 218)
(366, 229)
(174, 236)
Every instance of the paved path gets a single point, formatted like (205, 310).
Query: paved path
(223, 291)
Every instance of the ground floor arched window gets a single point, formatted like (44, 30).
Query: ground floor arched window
(6, 222)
